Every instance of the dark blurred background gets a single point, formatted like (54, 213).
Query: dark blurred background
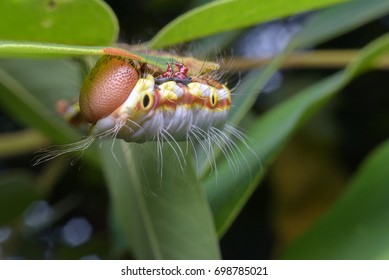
(303, 182)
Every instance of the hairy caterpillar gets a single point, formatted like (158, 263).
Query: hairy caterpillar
(135, 101)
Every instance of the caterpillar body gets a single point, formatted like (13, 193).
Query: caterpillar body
(173, 105)
(125, 99)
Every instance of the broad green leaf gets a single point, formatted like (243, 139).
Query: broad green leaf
(162, 215)
(270, 132)
(58, 21)
(226, 15)
(357, 226)
(17, 191)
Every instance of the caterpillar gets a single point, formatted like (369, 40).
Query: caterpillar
(123, 98)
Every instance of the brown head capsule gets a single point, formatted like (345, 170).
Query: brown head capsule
(106, 87)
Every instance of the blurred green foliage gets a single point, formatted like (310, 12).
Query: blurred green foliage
(133, 210)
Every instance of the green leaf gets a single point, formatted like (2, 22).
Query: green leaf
(225, 15)
(162, 215)
(357, 226)
(58, 21)
(270, 132)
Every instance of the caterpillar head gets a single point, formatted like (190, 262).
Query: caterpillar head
(106, 87)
